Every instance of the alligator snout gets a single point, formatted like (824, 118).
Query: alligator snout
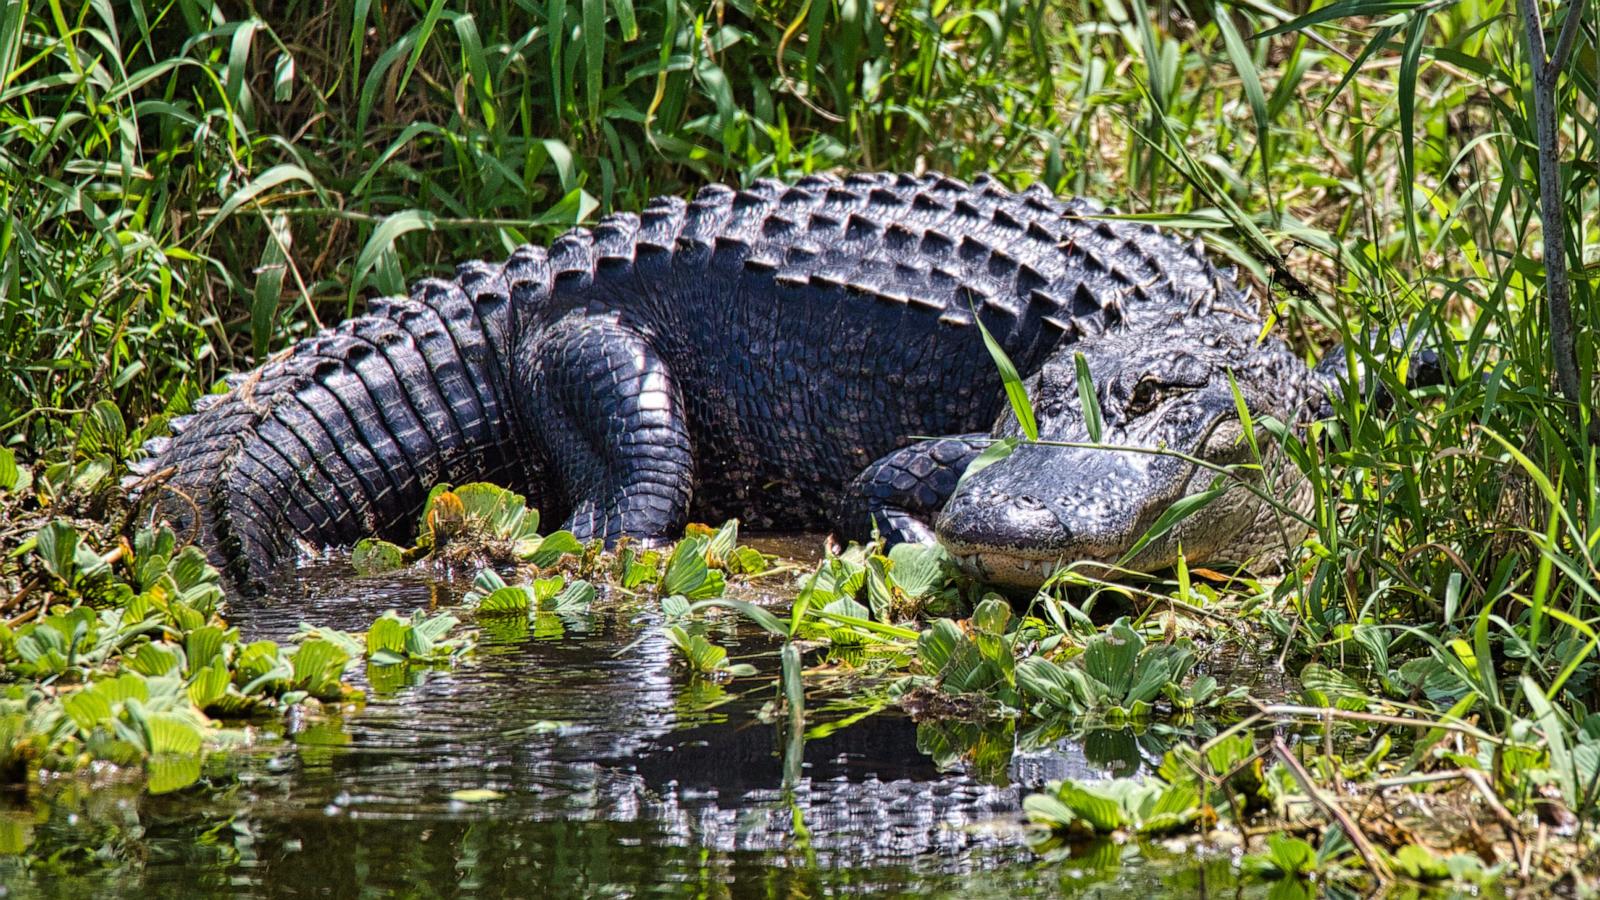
(1016, 521)
(993, 518)
(1002, 538)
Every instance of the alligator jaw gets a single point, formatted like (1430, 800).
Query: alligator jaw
(1007, 569)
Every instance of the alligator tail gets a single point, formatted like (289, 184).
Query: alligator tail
(343, 435)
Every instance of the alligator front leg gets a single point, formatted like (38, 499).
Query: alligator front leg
(900, 494)
(611, 420)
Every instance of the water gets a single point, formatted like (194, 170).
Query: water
(613, 774)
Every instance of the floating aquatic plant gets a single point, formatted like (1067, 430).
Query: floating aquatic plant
(129, 660)
(477, 519)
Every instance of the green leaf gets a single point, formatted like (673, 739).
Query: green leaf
(506, 601)
(123, 688)
(794, 689)
(423, 32)
(991, 454)
(383, 238)
(152, 660)
(210, 684)
(388, 632)
(317, 667)
(937, 644)
(918, 569)
(545, 589)
(640, 568)
(1340, 10)
(688, 574)
(1088, 399)
(1175, 513)
(102, 430)
(1242, 409)
(720, 546)
(702, 656)
(1046, 809)
(1291, 856)
(266, 181)
(1091, 804)
(1111, 658)
(552, 548)
(86, 708)
(575, 597)
(766, 620)
(10, 474)
(594, 55)
(202, 645)
(956, 661)
(500, 513)
(268, 292)
(57, 547)
(434, 627)
(172, 733)
(1326, 686)
(1045, 681)
(1556, 736)
(1249, 78)
(1016, 391)
(373, 557)
(626, 19)
(1410, 57)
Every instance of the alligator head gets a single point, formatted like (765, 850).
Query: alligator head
(1164, 394)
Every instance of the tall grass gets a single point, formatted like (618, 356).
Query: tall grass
(188, 188)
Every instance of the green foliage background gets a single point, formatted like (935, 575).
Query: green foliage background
(189, 185)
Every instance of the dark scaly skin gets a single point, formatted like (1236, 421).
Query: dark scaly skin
(768, 354)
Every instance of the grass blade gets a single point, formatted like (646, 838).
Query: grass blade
(594, 54)
(1016, 392)
(1089, 399)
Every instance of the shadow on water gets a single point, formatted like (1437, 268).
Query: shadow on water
(612, 774)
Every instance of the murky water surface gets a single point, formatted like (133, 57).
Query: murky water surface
(613, 774)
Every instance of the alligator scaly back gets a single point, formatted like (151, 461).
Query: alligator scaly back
(748, 353)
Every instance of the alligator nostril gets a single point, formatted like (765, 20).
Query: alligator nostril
(1026, 502)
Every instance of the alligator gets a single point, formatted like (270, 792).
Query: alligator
(801, 356)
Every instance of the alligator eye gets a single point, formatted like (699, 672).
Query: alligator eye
(1146, 394)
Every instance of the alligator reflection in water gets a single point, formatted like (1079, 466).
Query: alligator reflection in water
(589, 727)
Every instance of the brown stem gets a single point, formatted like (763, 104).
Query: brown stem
(1508, 823)
(1557, 284)
(1369, 854)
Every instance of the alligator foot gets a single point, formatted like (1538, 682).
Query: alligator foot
(900, 494)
